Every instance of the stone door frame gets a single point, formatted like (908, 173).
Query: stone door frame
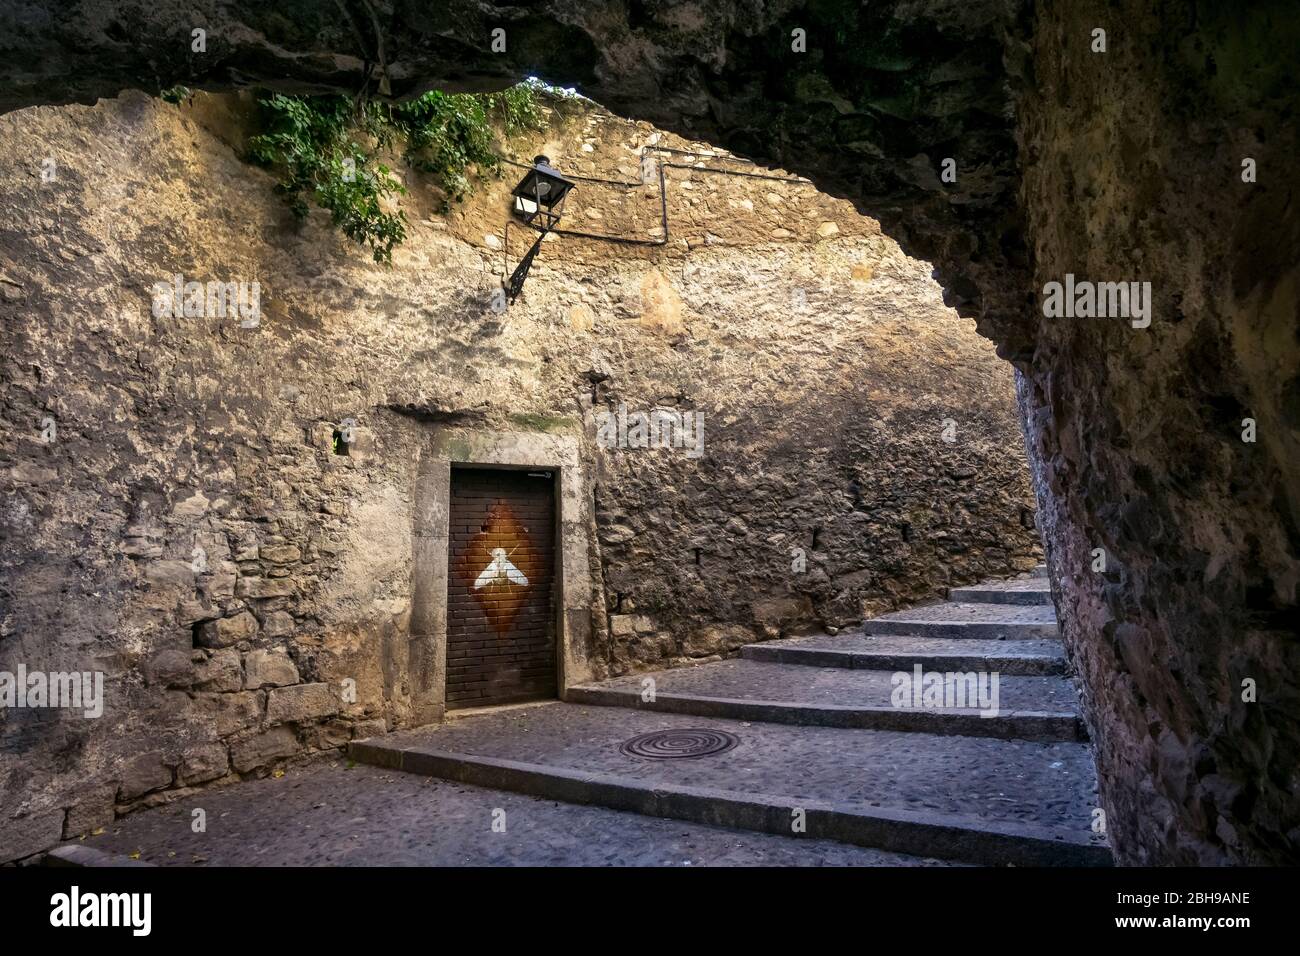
(430, 565)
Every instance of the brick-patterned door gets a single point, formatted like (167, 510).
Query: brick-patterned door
(500, 600)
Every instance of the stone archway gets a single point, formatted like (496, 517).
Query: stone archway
(1122, 165)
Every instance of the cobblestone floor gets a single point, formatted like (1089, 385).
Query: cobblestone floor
(333, 815)
(1044, 784)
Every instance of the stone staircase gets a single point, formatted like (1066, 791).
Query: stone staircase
(802, 737)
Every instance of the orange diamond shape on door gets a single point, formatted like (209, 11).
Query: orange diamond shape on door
(499, 565)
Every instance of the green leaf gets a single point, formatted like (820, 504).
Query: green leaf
(311, 142)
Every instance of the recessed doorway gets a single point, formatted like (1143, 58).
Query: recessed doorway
(501, 634)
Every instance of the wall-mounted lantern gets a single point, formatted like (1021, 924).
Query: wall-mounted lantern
(539, 197)
(539, 201)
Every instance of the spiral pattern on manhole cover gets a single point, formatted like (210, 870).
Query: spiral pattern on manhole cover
(673, 744)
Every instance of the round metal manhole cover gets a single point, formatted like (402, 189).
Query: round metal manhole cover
(674, 744)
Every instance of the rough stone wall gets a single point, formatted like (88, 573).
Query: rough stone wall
(870, 99)
(1134, 173)
(822, 360)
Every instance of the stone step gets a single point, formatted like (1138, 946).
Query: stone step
(902, 651)
(1022, 591)
(950, 619)
(973, 799)
(1031, 708)
(333, 814)
(1040, 571)
(87, 857)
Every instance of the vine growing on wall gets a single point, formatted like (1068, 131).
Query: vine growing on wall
(325, 150)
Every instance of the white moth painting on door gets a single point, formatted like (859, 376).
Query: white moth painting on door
(499, 564)
(500, 570)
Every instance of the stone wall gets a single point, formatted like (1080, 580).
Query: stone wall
(1137, 434)
(191, 532)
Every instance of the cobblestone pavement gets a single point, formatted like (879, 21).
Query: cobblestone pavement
(334, 815)
(1046, 784)
(1019, 794)
(992, 792)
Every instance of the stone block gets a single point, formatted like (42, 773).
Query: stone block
(369, 728)
(626, 625)
(227, 714)
(301, 703)
(278, 624)
(169, 573)
(227, 631)
(142, 774)
(258, 588)
(782, 610)
(140, 547)
(262, 749)
(264, 668)
(203, 763)
(716, 639)
(432, 491)
(170, 668)
(221, 671)
(329, 735)
(93, 808)
(281, 553)
(28, 834)
(219, 586)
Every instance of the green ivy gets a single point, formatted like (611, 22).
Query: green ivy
(313, 143)
(324, 148)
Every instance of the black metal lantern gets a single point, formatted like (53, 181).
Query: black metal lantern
(539, 197)
(539, 201)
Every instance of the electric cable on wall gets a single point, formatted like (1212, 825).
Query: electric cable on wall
(663, 195)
